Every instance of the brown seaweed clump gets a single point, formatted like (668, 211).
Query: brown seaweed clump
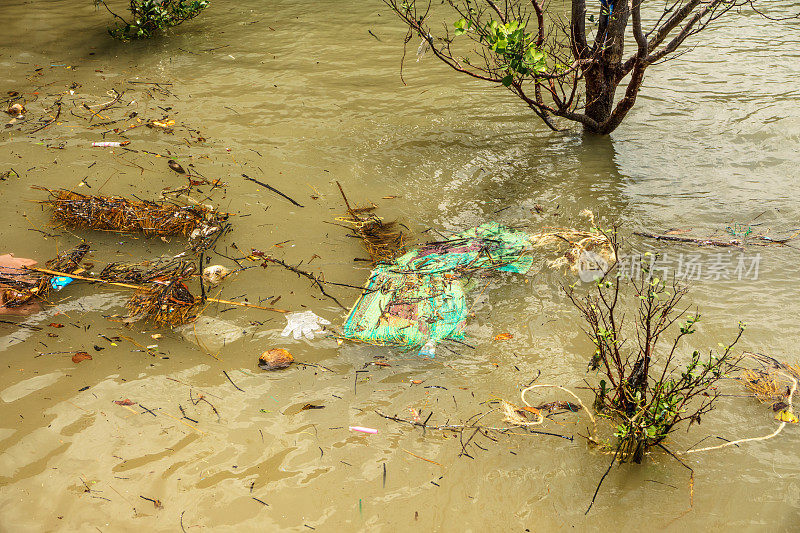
(123, 215)
(383, 241)
(167, 302)
(142, 272)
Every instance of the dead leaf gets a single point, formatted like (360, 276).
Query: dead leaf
(677, 231)
(786, 416)
(81, 356)
(503, 337)
(416, 381)
(56, 325)
(308, 406)
(174, 165)
(123, 402)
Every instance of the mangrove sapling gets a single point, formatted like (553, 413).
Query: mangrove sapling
(647, 391)
(151, 16)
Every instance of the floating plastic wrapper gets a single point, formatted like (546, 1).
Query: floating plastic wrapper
(419, 299)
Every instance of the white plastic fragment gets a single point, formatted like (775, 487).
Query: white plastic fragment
(110, 144)
(364, 430)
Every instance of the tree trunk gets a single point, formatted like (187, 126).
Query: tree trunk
(601, 85)
(603, 76)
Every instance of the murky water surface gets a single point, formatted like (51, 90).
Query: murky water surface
(299, 95)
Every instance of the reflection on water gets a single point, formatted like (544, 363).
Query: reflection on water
(282, 96)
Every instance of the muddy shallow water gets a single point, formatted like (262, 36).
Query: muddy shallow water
(300, 95)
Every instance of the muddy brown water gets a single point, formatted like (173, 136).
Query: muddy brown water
(300, 95)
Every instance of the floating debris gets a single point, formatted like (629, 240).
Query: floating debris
(303, 324)
(24, 284)
(167, 302)
(382, 240)
(275, 359)
(141, 272)
(118, 214)
(420, 297)
(214, 274)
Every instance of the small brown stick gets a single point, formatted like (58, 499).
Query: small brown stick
(58, 114)
(309, 275)
(182, 422)
(613, 459)
(419, 457)
(271, 188)
(232, 383)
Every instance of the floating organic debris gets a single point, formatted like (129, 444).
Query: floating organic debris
(123, 215)
(581, 246)
(167, 302)
(20, 286)
(382, 240)
(275, 359)
(142, 272)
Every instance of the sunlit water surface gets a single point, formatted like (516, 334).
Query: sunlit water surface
(299, 95)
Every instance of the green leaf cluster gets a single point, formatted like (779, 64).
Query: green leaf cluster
(515, 47)
(151, 16)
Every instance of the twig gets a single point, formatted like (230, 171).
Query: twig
(232, 383)
(271, 188)
(415, 455)
(58, 114)
(613, 459)
(309, 275)
(701, 242)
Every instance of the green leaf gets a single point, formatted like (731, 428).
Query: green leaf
(507, 79)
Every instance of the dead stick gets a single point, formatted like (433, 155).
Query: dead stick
(139, 287)
(346, 203)
(232, 383)
(691, 240)
(271, 188)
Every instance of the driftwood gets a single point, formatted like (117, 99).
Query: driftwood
(737, 243)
